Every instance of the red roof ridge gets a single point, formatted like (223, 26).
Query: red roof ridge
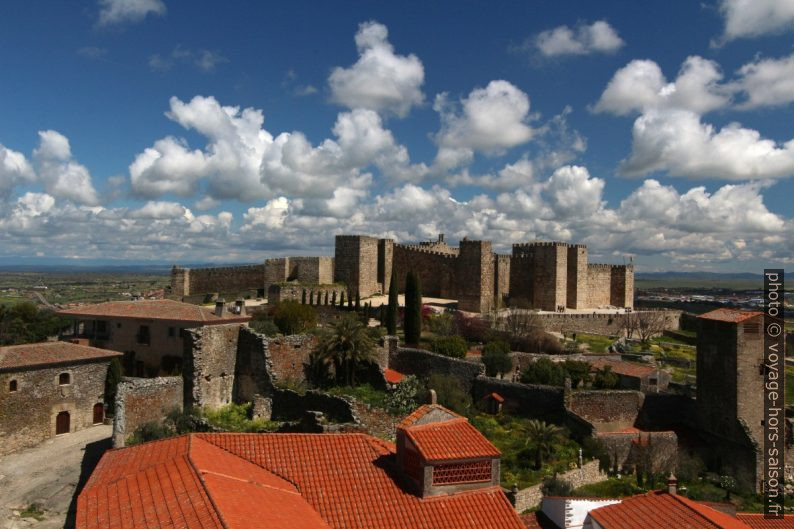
(439, 424)
(421, 411)
(200, 477)
(730, 315)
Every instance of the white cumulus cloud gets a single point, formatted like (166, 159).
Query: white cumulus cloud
(120, 11)
(754, 18)
(380, 80)
(585, 39)
(60, 174)
(767, 82)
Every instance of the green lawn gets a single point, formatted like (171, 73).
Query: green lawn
(364, 393)
(597, 343)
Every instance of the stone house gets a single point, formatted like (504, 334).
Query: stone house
(49, 389)
(148, 332)
(636, 376)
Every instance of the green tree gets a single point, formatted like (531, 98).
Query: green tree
(605, 379)
(311, 297)
(496, 357)
(24, 322)
(453, 346)
(349, 301)
(333, 298)
(391, 308)
(342, 300)
(449, 392)
(303, 297)
(403, 399)
(294, 318)
(348, 345)
(577, 371)
(112, 380)
(544, 371)
(262, 323)
(358, 302)
(541, 438)
(412, 325)
(325, 302)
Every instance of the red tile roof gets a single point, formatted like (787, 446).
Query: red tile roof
(453, 439)
(757, 521)
(537, 520)
(424, 410)
(495, 396)
(50, 353)
(155, 309)
(245, 480)
(660, 510)
(730, 315)
(392, 376)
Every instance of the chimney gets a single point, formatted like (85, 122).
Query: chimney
(220, 307)
(433, 397)
(672, 484)
(239, 307)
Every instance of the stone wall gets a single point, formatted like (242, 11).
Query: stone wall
(385, 263)
(605, 324)
(530, 497)
(436, 270)
(288, 356)
(474, 276)
(599, 284)
(577, 277)
(289, 405)
(501, 279)
(277, 293)
(143, 400)
(423, 363)
(252, 370)
(627, 450)
(209, 365)
(308, 270)
(609, 410)
(228, 279)
(356, 264)
(27, 415)
(528, 400)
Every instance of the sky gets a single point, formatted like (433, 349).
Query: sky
(175, 131)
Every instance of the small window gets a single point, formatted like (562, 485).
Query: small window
(13, 386)
(171, 332)
(118, 325)
(143, 335)
(101, 327)
(64, 379)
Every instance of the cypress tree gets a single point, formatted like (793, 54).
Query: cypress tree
(390, 318)
(333, 298)
(358, 302)
(413, 309)
(342, 299)
(349, 301)
(303, 297)
(311, 297)
(326, 298)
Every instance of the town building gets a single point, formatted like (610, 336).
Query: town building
(49, 389)
(148, 332)
(305, 481)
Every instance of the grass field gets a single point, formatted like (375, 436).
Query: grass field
(63, 288)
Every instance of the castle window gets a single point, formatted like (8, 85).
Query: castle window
(473, 472)
(170, 332)
(64, 379)
(143, 335)
(13, 386)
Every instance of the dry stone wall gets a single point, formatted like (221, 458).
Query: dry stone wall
(423, 363)
(607, 410)
(528, 400)
(530, 497)
(209, 365)
(143, 400)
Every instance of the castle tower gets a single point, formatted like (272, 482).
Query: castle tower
(475, 276)
(539, 275)
(577, 277)
(730, 391)
(621, 287)
(180, 282)
(385, 263)
(356, 264)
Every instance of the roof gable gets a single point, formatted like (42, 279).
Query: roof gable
(450, 440)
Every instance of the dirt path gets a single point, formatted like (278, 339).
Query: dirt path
(49, 475)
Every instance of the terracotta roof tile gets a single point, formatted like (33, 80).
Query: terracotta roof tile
(660, 510)
(157, 309)
(453, 439)
(730, 315)
(392, 376)
(757, 521)
(424, 410)
(50, 353)
(495, 396)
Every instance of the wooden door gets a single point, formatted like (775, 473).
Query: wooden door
(99, 413)
(62, 423)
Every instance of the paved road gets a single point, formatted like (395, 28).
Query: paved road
(49, 475)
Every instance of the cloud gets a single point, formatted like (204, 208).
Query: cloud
(380, 80)
(641, 86)
(290, 84)
(113, 12)
(598, 37)
(244, 161)
(15, 170)
(766, 82)
(573, 192)
(205, 60)
(61, 175)
(677, 141)
(754, 18)
(490, 120)
(93, 53)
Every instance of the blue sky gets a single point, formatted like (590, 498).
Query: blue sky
(135, 130)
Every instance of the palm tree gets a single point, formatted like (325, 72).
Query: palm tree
(348, 345)
(542, 437)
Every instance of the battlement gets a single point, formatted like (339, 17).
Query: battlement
(604, 266)
(546, 244)
(220, 269)
(426, 251)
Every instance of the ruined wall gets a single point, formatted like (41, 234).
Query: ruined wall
(436, 271)
(356, 263)
(528, 400)
(474, 276)
(501, 279)
(294, 292)
(577, 276)
(232, 279)
(252, 370)
(424, 363)
(289, 405)
(608, 411)
(27, 415)
(209, 365)
(626, 450)
(530, 497)
(143, 400)
(288, 355)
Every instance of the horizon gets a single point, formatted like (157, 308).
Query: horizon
(149, 131)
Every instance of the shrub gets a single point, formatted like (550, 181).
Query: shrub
(236, 418)
(554, 486)
(441, 324)
(453, 346)
(496, 357)
(264, 326)
(293, 318)
(403, 399)
(544, 371)
(605, 379)
(449, 392)
(473, 329)
(150, 431)
(592, 448)
(577, 371)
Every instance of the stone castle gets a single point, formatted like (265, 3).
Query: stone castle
(538, 275)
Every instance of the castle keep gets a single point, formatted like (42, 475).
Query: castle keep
(538, 275)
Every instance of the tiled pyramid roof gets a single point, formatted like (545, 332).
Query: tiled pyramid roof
(50, 353)
(730, 315)
(452, 439)
(155, 309)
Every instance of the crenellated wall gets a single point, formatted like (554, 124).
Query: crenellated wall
(231, 279)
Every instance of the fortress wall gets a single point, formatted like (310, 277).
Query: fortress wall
(233, 279)
(436, 271)
(599, 285)
(501, 279)
(475, 276)
(356, 264)
(577, 277)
